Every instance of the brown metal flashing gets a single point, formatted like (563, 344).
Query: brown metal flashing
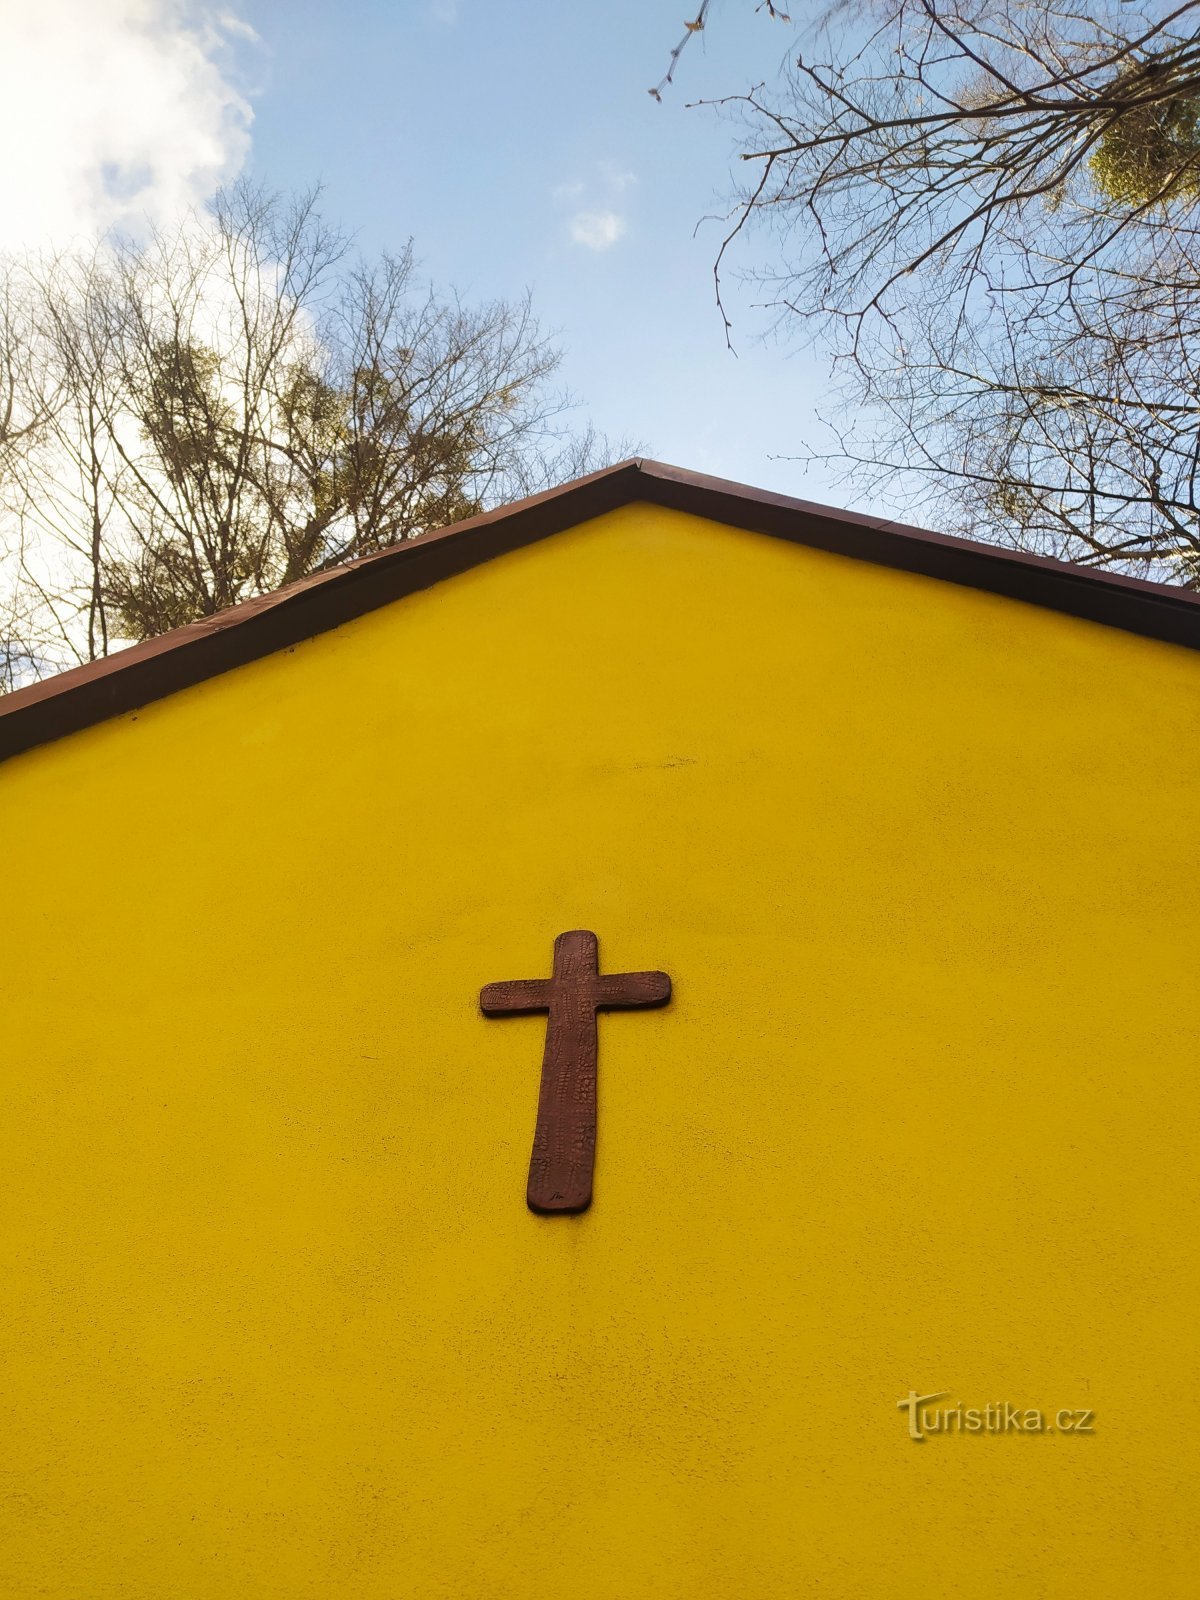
(121, 683)
(564, 1139)
(1155, 610)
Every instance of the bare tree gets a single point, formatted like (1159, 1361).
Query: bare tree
(19, 416)
(20, 420)
(989, 210)
(221, 408)
(411, 412)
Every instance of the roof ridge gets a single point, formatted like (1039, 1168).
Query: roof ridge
(158, 667)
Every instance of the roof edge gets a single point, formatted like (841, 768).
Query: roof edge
(92, 693)
(1156, 610)
(72, 700)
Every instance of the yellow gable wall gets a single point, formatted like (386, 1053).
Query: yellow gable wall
(922, 863)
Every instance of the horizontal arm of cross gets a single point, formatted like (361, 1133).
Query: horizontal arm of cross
(616, 989)
(518, 994)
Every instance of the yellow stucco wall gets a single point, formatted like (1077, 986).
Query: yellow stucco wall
(922, 863)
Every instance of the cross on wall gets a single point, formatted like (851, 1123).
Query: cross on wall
(564, 1140)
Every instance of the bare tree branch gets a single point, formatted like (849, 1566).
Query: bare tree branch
(989, 212)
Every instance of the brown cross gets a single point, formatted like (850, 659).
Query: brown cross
(564, 1141)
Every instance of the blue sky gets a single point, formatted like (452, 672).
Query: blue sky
(502, 137)
(514, 142)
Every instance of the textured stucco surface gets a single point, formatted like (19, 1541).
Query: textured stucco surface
(922, 864)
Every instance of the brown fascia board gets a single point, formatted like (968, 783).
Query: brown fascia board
(121, 683)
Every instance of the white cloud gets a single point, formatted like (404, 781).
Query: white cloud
(111, 110)
(597, 230)
(597, 227)
(617, 178)
(445, 11)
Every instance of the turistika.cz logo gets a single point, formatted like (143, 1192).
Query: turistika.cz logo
(925, 1416)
